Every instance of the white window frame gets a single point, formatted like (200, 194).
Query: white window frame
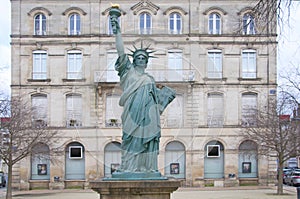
(214, 24)
(40, 109)
(39, 68)
(74, 111)
(207, 151)
(214, 64)
(75, 147)
(40, 24)
(249, 67)
(75, 29)
(215, 117)
(175, 20)
(249, 110)
(74, 70)
(147, 25)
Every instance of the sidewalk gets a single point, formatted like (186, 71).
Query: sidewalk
(251, 192)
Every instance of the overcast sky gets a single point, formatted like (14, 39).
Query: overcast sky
(288, 51)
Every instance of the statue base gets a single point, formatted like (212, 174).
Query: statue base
(119, 176)
(135, 189)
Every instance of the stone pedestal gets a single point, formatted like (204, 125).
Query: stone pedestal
(139, 189)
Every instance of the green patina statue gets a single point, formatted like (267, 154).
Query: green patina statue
(142, 105)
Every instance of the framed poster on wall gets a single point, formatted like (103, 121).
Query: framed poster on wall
(174, 168)
(246, 167)
(42, 169)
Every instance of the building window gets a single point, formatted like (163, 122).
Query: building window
(175, 113)
(215, 113)
(175, 65)
(175, 23)
(111, 73)
(214, 24)
(74, 65)
(249, 109)
(249, 64)
(40, 108)
(74, 161)
(74, 24)
(39, 65)
(248, 24)
(214, 67)
(40, 162)
(113, 111)
(74, 110)
(40, 24)
(145, 23)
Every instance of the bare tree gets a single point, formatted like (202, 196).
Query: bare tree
(276, 135)
(20, 136)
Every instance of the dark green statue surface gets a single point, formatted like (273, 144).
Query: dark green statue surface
(142, 105)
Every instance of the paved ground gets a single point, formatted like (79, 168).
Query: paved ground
(182, 193)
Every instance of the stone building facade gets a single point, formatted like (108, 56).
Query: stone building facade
(217, 57)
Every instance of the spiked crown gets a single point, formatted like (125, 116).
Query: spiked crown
(141, 51)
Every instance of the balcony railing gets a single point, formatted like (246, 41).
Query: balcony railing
(159, 75)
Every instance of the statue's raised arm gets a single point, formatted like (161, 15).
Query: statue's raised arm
(114, 14)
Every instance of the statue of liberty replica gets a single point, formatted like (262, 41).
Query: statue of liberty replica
(142, 103)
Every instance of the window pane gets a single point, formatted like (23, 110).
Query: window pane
(175, 112)
(74, 66)
(74, 110)
(113, 111)
(39, 104)
(175, 23)
(145, 23)
(215, 110)
(249, 64)
(214, 65)
(74, 28)
(249, 106)
(39, 65)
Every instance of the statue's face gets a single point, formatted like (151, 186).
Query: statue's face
(140, 60)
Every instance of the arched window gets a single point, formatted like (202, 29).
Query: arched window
(75, 161)
(40, 162)
(214, 24)
(74, 24)
(145, 23)
(248, 24)
(40, 24)
(112, 158)
(175, 23)
(214, 160)
(175, 160)
(248, 165)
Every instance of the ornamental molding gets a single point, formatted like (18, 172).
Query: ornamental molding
(145, 5)
(36, 10)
